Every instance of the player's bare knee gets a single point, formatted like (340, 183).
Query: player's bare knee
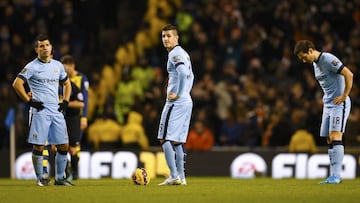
(39, 148)
(63, 147)
(72, 150)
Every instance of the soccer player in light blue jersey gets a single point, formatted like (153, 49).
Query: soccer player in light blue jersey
(176, 114)
(46, 120)
(336, 82)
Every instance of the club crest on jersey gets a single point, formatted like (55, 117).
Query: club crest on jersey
(56, 71)
(176, 58)
(335, 62)
(35, 136)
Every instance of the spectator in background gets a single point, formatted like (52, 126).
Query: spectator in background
(280, 127)
(151, 106)
(143, 72)
(302, 142)
(129, 93)
(8, 104)
(353, 128)
(200, 137)
(231, 130)
(105, 129)
(133, 132)
(281, 132)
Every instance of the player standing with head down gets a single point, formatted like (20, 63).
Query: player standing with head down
(46, 119)
(176, 114)
(336, 82)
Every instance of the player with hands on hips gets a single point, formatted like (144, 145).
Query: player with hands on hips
(176, 113)
(336, 81)
(63, 106)
(38, 105)
(46, 120)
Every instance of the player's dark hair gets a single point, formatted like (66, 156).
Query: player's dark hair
(303, 46)
(40, 38)
(169, 27)
(67, 59)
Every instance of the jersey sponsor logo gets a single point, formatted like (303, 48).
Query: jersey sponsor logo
(48, 80)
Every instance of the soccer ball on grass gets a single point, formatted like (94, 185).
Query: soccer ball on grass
(140, 177)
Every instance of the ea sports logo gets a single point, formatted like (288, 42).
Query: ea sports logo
(248, 165)
(24, 168)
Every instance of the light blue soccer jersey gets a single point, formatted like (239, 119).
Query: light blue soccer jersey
(43, 80)
(181, 77)
(176, 115)
(327, 71)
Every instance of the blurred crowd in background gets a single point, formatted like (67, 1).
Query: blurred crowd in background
(250, 90)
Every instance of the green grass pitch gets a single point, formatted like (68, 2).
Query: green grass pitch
(199, 190)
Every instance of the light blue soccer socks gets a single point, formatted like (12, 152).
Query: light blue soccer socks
(338, 156)
(169, 152)
(331, 154)
(60, 164)
(37, 159)
(180, 160)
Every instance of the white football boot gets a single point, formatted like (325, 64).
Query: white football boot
(171, 181)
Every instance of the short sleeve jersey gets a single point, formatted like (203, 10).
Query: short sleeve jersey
(43, 80)
(327, 71)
